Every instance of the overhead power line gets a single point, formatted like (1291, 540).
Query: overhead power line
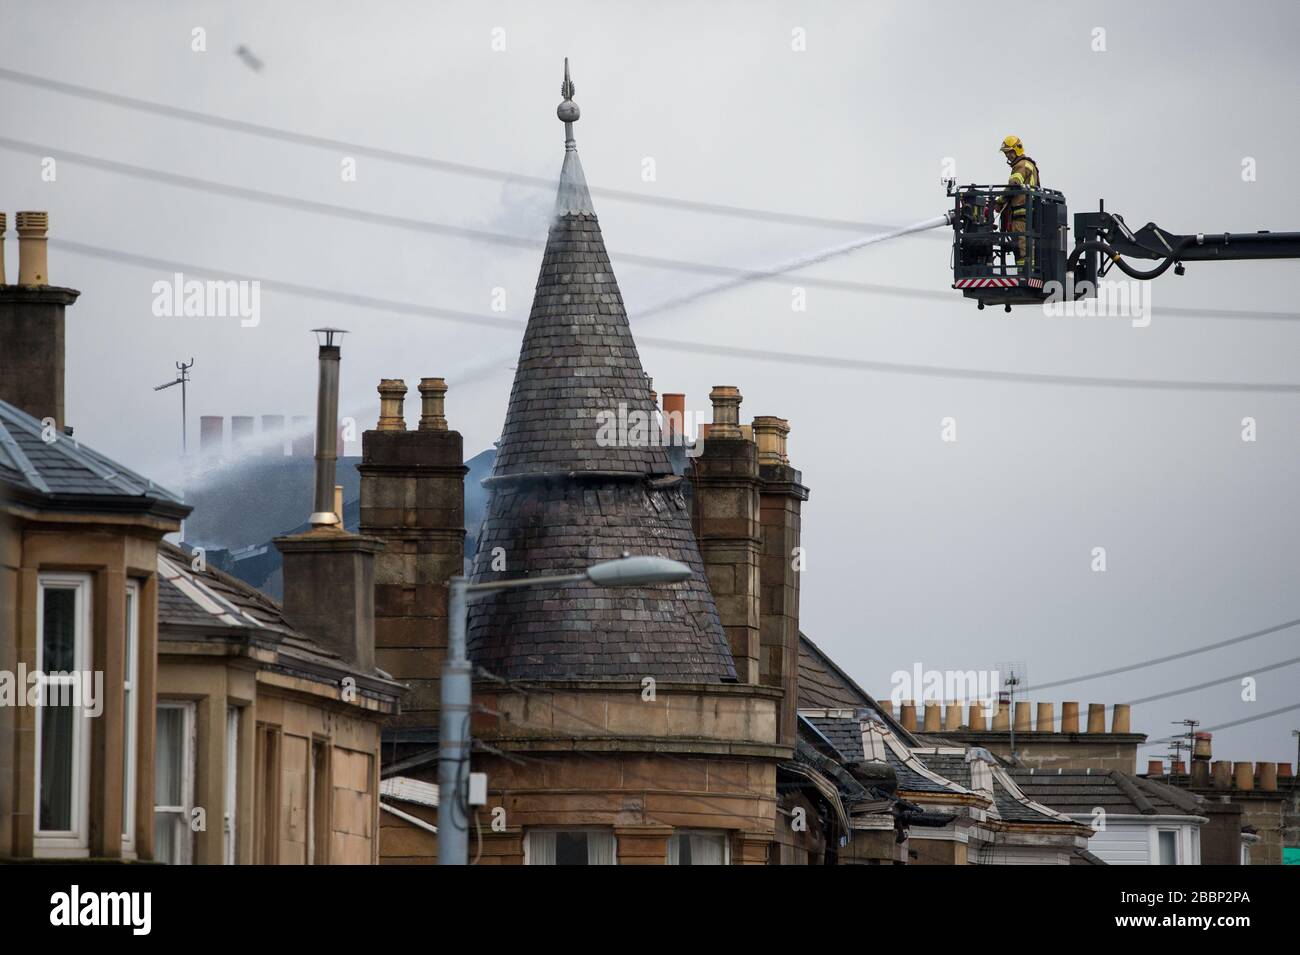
(688, 347)
(425, 162)
(432, 227)
(1205, 648)
(1223, 726)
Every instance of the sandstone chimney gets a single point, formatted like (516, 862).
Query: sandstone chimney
(32, 326)
(413, 499)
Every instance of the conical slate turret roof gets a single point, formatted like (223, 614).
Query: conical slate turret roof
(561, 498)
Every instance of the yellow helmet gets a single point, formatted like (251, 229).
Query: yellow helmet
(1014, 145)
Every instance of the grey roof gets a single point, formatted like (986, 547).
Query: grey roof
(64, 469)
(823, 685)
(1080, 791)
(560, 501)
(845, 734)
(578, 361)
(955, 766)
(208, 604)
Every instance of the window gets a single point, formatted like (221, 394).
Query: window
(266, 829)
(570, 847)
(229, 843)
(130, 673)
(697, 848)
(318, 808)
(174, 783)
(1168, 846)
(62, 741)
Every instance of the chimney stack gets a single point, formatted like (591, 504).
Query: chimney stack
(413, 499)
(329, 574)
(727, 518)
(32, 326)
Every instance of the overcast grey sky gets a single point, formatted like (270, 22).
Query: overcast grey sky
(953, 555)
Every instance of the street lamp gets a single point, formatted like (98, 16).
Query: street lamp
(454, 735)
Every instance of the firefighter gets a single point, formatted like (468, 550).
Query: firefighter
(1013, 206)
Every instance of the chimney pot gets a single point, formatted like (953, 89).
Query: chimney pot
(392, 394)
(1046, 722)
(933, 716)
(977, 717)
(1222, 770)
(273, 435)
(674, 413)
(433, 392)
(1096, 717)
(952, 716)
(1268, 777)
(1023, 718)
(1283, 770)
(1119, 718)
(4, 229)
(212, 435)
(241, 431)
(726, 411)
(338, 503)
(907, 715)
(770, 434)
(33, 258)
(1244, 776)
(1201, 747)
(1069, 717)
(1155, 767)
(1002, 717)
(1180, 768)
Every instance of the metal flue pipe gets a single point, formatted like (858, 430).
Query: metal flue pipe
(327, 427)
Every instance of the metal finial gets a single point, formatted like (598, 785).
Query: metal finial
(568, 110)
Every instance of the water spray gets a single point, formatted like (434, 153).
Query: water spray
(793, 265)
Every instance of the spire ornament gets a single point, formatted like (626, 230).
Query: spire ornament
(573, 197)
(568, 111)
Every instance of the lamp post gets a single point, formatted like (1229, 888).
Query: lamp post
(454, 735)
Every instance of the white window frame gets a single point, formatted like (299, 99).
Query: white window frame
(130, 709)
(605, 831)
(74, 842)
(186, 809)
(1178, 844)
(230, 815)
(722, 834)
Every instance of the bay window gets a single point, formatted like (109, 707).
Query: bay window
(173, 783)
(62, 771)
